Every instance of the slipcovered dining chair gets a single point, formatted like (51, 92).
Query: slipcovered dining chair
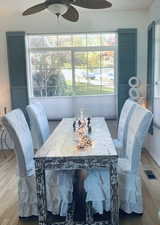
(40, 133)
(120, 142)
(130, 189)
(39, 124)
(130, 192)
(59, 186)
(125, 115)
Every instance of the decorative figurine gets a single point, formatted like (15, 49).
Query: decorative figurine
(79, 123)
(5, 110)
(74, 125)
(89, 129)
(89, 125)
(89, 121)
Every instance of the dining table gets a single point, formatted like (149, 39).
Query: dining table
(60, 152)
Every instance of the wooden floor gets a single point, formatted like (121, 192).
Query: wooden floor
(8, 194)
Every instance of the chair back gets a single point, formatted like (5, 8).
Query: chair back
(39, 123)
(138, 127)
(19, 132)
(125, 115)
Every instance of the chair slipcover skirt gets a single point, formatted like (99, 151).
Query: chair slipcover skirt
(27, 196)
(59, 193)
(130, 193)
(97, 186)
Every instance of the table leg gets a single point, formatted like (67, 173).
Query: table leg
(89, 214)
(41, 191)
(70, 214)
(114, 193)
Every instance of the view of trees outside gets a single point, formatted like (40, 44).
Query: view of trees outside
(66, 65)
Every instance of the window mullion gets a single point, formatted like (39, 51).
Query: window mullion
(87, 69)
(73, 71)
(100, 52)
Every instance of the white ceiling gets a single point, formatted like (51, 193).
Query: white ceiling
(131, 4)
(20, 5)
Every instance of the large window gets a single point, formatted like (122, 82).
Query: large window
(75, 64)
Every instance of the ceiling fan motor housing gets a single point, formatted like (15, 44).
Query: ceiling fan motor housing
(58, 8)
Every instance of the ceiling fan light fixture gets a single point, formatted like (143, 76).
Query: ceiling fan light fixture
(58, 8)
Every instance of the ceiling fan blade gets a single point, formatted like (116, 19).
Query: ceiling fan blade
(93, 4)
(35, 9)
(71, 14)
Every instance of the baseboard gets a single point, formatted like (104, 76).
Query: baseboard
(158, 164)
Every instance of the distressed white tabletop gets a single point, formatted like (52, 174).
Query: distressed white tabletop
(62, 142)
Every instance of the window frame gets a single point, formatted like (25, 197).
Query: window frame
(73, 50)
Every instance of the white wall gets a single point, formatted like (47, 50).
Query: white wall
(153, 142)
(154, 13)
(90, 21)
(60, 107)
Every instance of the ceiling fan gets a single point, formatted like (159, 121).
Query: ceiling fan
(65, 9)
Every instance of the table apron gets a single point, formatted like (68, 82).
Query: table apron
(71, 164)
